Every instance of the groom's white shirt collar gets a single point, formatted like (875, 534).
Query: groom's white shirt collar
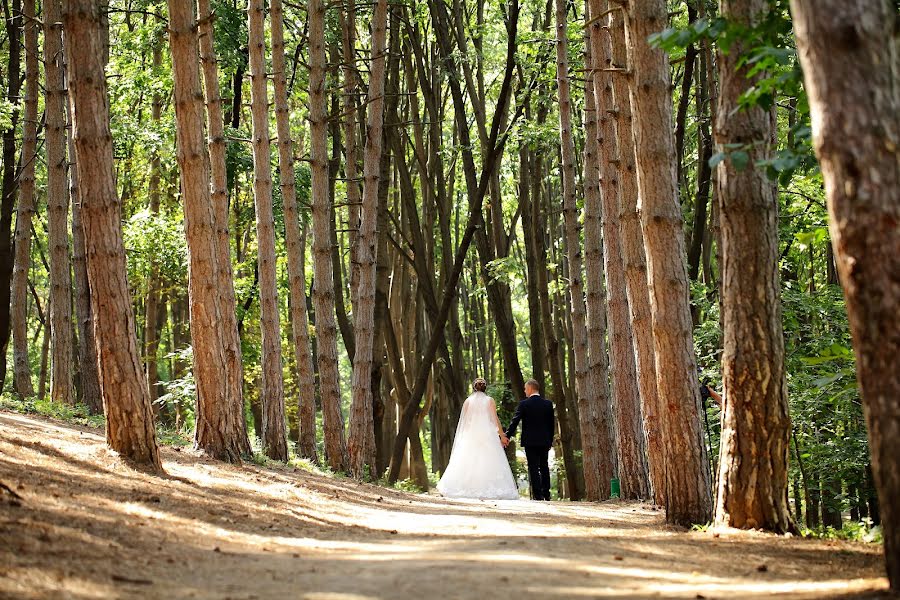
(534, 394)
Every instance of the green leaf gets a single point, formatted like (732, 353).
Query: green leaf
(740, 159)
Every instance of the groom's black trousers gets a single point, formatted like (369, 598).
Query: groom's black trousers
(538, 471)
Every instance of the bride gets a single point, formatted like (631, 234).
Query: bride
(478, 467)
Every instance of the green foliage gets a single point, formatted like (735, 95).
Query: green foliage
(77, 413)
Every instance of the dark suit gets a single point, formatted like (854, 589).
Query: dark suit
(538, 428)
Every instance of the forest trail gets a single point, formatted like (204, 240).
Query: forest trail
(86, 526)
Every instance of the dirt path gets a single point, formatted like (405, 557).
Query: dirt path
(86, 526)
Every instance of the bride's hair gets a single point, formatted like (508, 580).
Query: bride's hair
(479, 385)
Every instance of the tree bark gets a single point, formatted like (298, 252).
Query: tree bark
(61, 383)
(591, 387)
(274, 434)
(25, 212)
(219, 430)
(154, 293)
(687, 492)
(306, 382)
(228, 331)
(756, 425)
(849, 55)
(626, 398)
(634, 259)
(361, 441)
(8, 187)
(129, 418)
(87, 344)
(323, 291)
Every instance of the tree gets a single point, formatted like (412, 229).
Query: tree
(849, 57)
(590, 386)
(756, 424)
(61, 389)
(228, 330)
(272, 393)
(129, 418)
(323, 278)
(8, 187)
(687, 494)
(21, 366)
(626, 397)
(634, 259)
(219, 431)
(361, 441)
(299, 325)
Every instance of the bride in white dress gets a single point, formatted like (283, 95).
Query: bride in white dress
(478, 467)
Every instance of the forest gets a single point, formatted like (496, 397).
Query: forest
(284, 233)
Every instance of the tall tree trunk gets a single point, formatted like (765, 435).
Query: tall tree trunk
(626, 398)
(634, 259)
(219, 430)
(154, 293)
(306, 382)
(8, 188)
(590, 384)
(849, 55)
(687, 494)
(61, 383)
(87, 344)
(129, 417)
(323, 290)
(21, 366)
(361, 441)
(274, 434)
(349, 106)
(756, 425)
(228, 331)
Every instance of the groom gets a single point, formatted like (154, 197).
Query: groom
(538, 425)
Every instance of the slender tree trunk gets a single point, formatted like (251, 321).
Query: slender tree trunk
(274, 435)
(849, 55)
(129, 418)
(634, 259)
(361, 441)
(220, 430)
(21, 366)
(61, 383)
(590, 384)
(45, 351)
(626, 398)
(87, 344)
(756, 425)
(687, 495)
(154, 293)
(228, 331)
(306, 383)
(323, 291)
(349, 106)
(8, 187)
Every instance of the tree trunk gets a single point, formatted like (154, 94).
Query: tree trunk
(626, 398)
(9, 185)
(61, 383)
(306, 382)
(756, 425)
(687, 492)
(219, 430)
(129, 418)
(634, 259)
(849, 56)
(274, 435)
(87, 344)
(590, 383)
(154, 293)
(361, 441)
(228, 331)
(21, 366)
(323, 292)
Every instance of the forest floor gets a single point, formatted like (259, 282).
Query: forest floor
(78, 523)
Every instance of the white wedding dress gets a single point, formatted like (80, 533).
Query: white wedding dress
(478, 466)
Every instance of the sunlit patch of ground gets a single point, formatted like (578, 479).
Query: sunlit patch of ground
(87, 526)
